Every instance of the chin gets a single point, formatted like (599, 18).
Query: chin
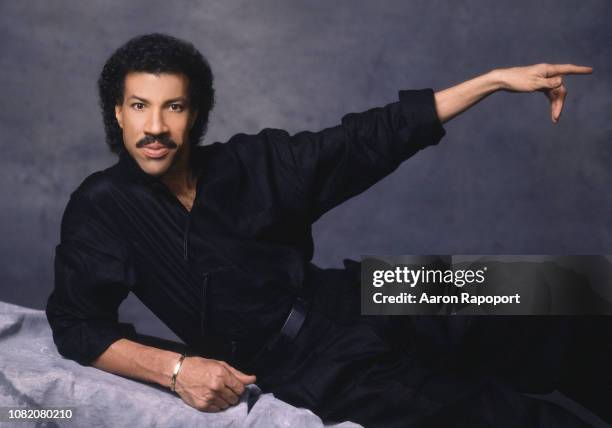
(155, 167)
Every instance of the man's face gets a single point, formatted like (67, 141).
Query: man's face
(156, 118)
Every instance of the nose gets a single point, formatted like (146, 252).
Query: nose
(155, 122)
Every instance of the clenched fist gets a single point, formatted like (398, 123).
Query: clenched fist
(210, 385)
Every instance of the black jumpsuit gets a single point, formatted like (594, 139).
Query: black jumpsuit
(224, 275)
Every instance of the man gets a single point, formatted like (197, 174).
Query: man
(216, 241)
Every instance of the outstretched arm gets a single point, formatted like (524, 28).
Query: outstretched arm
(546, 78)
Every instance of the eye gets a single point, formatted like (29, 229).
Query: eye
(137, 106)
(176, 107)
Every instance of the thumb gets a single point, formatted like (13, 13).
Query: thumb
(242, 377)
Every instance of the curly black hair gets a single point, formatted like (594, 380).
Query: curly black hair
(155, 53)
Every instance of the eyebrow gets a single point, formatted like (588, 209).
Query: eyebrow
(170, 101)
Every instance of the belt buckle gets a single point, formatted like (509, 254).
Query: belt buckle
(294, 320)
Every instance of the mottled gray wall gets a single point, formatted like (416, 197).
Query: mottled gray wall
(504, 180)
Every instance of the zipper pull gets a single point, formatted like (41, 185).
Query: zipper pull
(233, 351)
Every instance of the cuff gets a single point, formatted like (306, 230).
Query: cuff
(419, 109)
(84, 341)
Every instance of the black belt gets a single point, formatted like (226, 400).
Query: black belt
(288, 332)
(294, 320)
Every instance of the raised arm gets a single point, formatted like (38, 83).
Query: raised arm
(546, 78)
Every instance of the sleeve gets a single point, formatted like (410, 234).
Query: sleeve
(92, 278)
(323, 169)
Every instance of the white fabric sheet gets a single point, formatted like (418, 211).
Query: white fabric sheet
(33, 375)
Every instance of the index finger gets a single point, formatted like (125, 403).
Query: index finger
(229, 395)
(556, 69)
(234, 384)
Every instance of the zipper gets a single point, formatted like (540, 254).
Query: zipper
(186, 238)
(233, 344)
(186, 212)
(204, 303)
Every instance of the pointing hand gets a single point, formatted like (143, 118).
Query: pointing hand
(546, 78)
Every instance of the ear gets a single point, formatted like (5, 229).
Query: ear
(119, 114)
(192, 118)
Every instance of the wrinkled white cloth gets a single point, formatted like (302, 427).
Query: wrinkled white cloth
(33, 376)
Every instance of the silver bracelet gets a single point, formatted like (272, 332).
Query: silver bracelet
(177, 369)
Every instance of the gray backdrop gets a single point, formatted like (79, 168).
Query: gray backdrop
(504, 179)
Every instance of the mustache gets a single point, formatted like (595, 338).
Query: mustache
(163, 139)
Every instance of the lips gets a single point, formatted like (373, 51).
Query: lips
(155, 151)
